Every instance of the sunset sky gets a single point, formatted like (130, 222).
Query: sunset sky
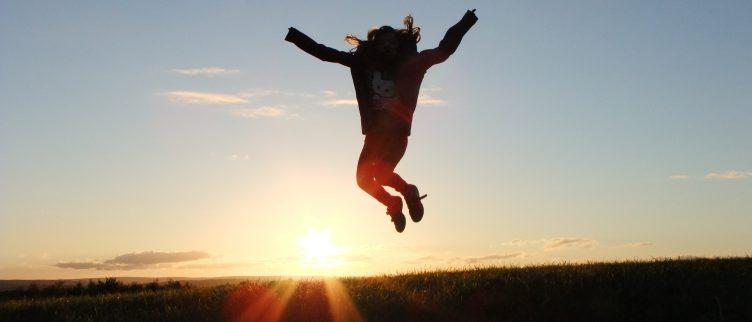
(187, 138)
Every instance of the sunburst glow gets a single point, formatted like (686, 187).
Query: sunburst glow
(319, 250)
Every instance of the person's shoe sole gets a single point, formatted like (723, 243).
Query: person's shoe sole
(398, 218)
(400, 222)
(416, 210)
(415, 205)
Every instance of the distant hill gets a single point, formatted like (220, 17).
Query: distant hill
(6, 285)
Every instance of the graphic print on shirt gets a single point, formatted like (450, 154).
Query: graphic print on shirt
(383, 90)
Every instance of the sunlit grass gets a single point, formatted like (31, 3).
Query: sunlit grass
(249, 302)
(341, 306)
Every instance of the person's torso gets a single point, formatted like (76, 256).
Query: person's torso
(387, 98)
(388, 111)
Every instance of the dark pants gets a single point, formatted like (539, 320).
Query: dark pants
(380, 155)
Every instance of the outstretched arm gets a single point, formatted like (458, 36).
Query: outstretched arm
(318, 50)
(449, 44)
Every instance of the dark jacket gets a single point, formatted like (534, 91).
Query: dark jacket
(387, 94)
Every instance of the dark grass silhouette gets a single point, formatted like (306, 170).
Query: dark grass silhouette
(717, 289)
(92, 287)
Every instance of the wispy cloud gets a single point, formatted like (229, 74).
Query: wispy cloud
(205, 71)
(729, 175)
(263, 111)
(679, 177)
(235, 104)
(151, 257)
(555, 243)
(330, 98)
(465, 260)
(203, 98)
(520, 242)
(140, 260)
(259, 93)
(636, 245)
(425, 99)
(340, 102)
(568, 242)
(271, 103)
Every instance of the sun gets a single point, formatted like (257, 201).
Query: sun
(318, 249)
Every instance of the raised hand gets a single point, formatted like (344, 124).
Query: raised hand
(471, 14)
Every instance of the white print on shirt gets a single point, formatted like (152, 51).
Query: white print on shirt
(383, 90)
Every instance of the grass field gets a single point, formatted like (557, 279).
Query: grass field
(718, 289)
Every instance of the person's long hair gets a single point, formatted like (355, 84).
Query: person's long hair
(407, 38)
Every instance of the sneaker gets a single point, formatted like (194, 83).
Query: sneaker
(414, 204)
(395, 211)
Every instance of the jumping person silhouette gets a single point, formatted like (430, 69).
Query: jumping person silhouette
(387, 71)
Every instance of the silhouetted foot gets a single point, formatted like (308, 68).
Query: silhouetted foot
(395, 211)
(414, 204)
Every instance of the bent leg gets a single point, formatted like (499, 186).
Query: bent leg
(367, 169)
(385, 176)
(392, 151)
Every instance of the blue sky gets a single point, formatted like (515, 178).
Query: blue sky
(589, 130)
